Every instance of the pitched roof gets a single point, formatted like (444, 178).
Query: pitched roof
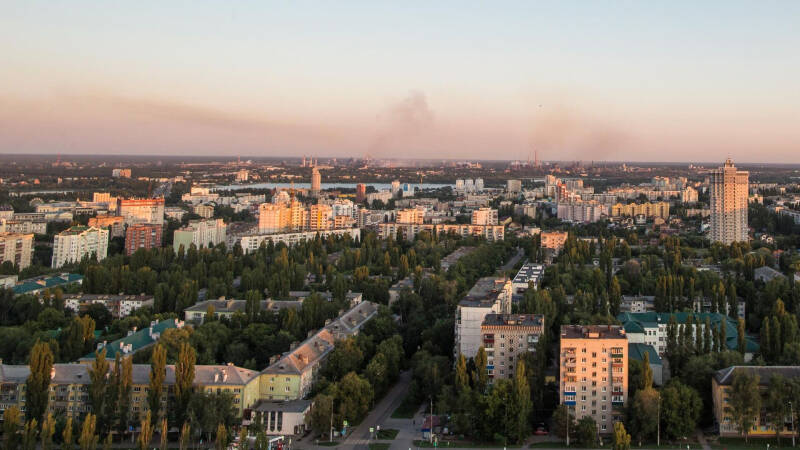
(637, 322)
(35, 284)
(637, 351)
(765, 373)
(138, 340)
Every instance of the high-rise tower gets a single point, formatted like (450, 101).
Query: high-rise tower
(729, 192)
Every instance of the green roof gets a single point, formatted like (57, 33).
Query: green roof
(137, 341)
(35, 284)
(637, 322)
(637, 351)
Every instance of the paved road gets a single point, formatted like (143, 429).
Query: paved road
(359, 437)
(513, 261)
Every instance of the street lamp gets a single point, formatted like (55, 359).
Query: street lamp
(791, 417)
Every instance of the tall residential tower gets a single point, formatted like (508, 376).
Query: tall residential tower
(729, 190)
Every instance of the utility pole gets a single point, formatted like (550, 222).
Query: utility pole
(568, 420)
(791, 415)
(430, 430)
(330, 438)
(658, 420)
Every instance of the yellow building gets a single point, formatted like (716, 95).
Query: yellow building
(658, 209)
(720, 388)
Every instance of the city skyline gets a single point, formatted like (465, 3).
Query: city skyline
(603, 81)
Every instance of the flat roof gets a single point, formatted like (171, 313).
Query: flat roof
(524, 320)
(592, 332)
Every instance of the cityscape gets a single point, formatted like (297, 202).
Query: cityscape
(216, 234)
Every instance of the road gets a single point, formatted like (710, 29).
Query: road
(513, 261)
(359, 437)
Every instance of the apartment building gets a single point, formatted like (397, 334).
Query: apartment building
(593, 363)
(201, 233)
(729, 195)
(484, 216)
(250, 243)
(16, 248)
(529, 275)
(72, 244)
(115, 224)
(408, 231)
(147, 210)
(649, 210)
(720, 393)
(118, 305)
(553, 240)
(292, 375)
(581, 212)
(507, 338)
(23, 226)
(489, 295)
(144, 236)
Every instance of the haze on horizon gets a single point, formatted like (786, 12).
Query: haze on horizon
(625, 80)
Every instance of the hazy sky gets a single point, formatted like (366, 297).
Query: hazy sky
(632, 80)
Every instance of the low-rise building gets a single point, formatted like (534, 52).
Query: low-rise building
(507, 338)
(593, 363)
(250, 243)
(23, 226)
(119, 306)
(136, 340)
(553, 240)
(636, 352)
(529, 275)
(721, 384)
(34, 286)
(228, 307)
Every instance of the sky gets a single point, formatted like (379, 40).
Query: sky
(588, 80)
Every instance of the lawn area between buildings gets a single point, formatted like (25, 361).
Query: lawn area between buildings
(406, 409)
(729, 443)
(388, 434)
(462, 444)
(379, 446)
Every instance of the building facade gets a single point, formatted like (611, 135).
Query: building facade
(489, 295)
(72, 244)
(146, 236)
(115, 224)
(16, 248)
(729, 193)
(146, 210)
(507, 338)
(201, 233)
(593, 363)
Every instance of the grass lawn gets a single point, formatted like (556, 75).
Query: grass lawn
(463, 444)
(406, 409)
(387, 434)
(729, 443)
(555, 444)
(328, 443)
(379, 446)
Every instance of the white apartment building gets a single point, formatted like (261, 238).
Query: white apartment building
(514, 186)
(16, 248)
(581, 212)
(201, 233)
(729, 193)
(73, 244)
(251, 243)
(489, 295)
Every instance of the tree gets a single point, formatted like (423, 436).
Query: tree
(221, 442)
(647, 372)
(158, 371)
(38, 384)
(29, 434)
(88, 439)
(563, 420)
(108, 442)
(184, 377)
(740, 336)
(587, 432)
(67, 436)
(614, 296)
(123, 403)
(462, 379)
(622, 440)
(252, 304)
(707, 342)
(146, 434)
(680, 409)
(48, 430)
(645, 413)
(319, 417)
(186, 431)
(481, 377)
(778, 392)
(98, 382)
(744, 401)
(521, 403)
(164, 433)
(353, 395)
(11, 420)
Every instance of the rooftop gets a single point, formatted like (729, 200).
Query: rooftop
(637, 351)
(38, 283)
(138, 340)
(292, 406)
(484, 292)
(523, 320)
(528, 272)
(764, 373)
(592, 332)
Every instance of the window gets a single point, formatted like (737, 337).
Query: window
(286, 388)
